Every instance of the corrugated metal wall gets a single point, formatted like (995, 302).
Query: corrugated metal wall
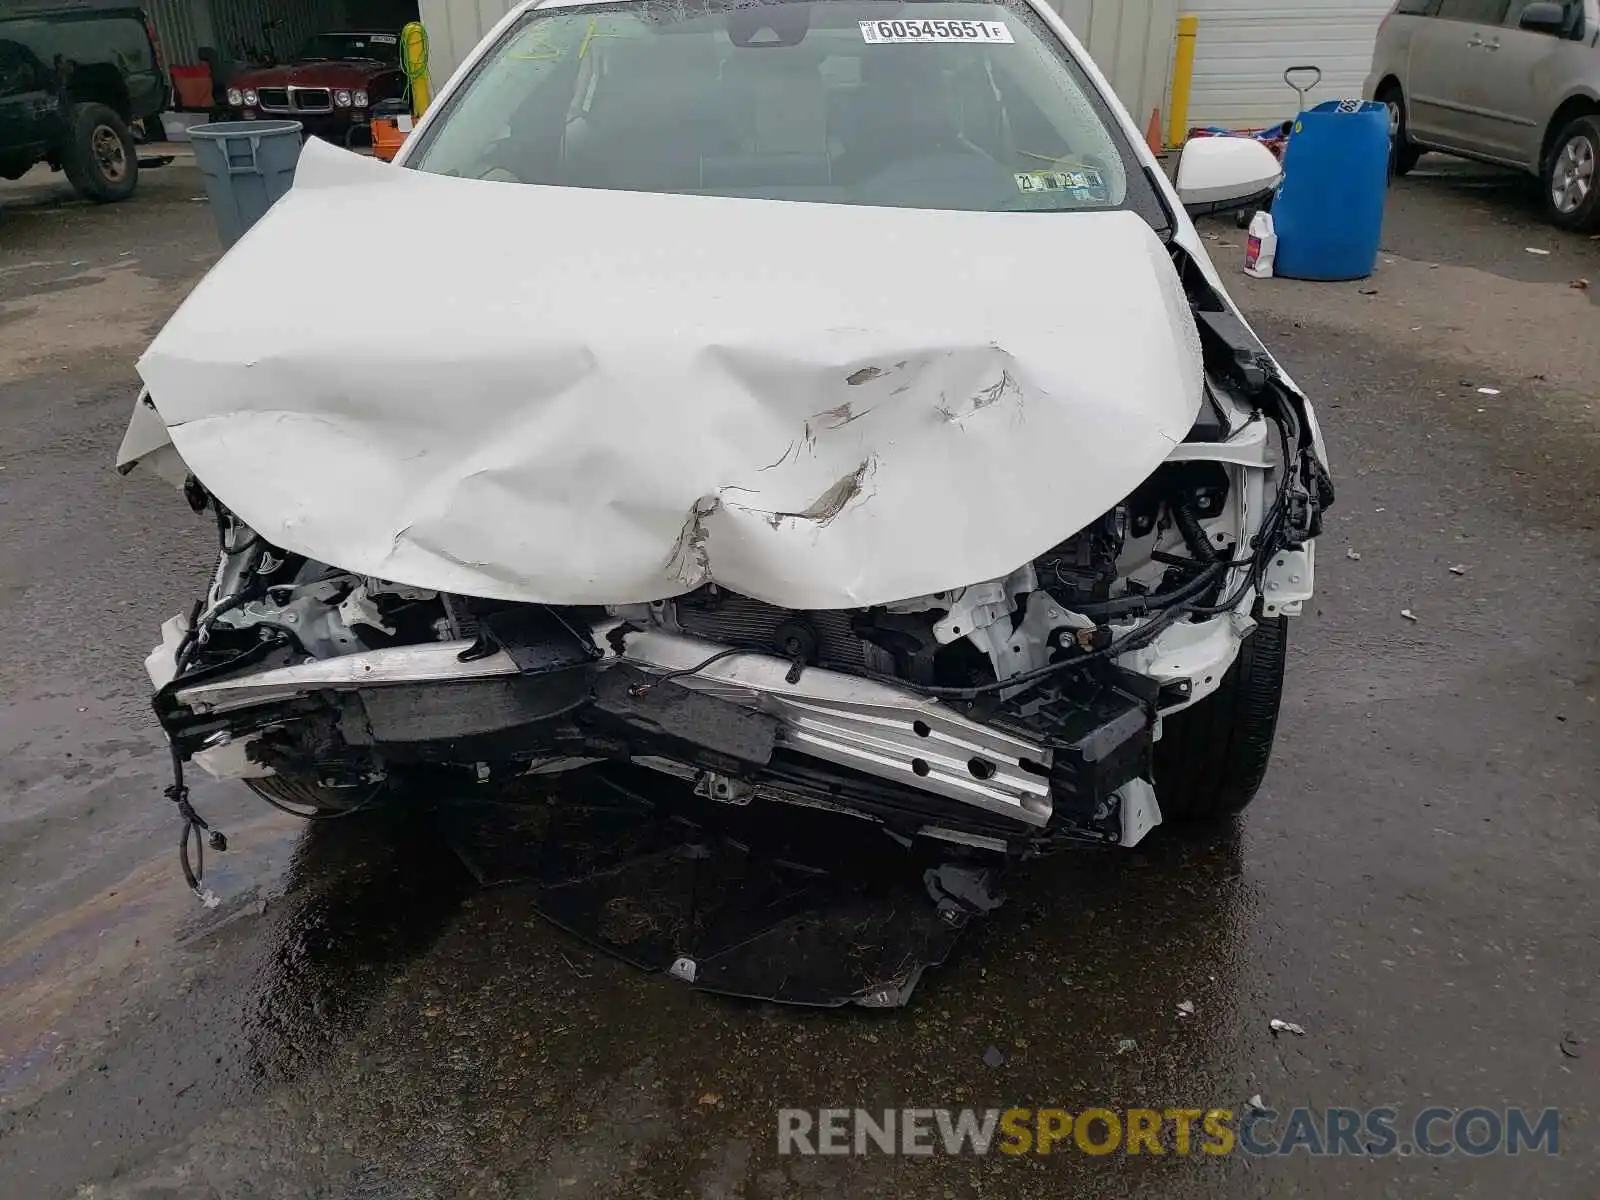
(233, 25)
(454, 28)
(175, 23)
(238, 23)
(1131, 40)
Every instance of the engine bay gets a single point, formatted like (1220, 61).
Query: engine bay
(1007, 714)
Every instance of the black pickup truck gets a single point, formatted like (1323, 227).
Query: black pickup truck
(73, 79)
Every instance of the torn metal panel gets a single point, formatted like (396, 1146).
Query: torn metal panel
(621, 414)
(148, 446)
(812, 909)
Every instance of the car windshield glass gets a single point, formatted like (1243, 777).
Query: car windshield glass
(972, 106)
(351, 47)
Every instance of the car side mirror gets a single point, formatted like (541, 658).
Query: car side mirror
(1544, 17)
(1220, 174)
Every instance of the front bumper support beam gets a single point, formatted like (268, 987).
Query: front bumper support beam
(738, 715)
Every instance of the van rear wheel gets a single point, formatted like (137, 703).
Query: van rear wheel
(100, 160)
(1403, 156)
(1572, 175)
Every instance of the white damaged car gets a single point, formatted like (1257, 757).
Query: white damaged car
(822, 402)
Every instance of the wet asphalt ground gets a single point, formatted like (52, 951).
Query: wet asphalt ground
(1415, 887)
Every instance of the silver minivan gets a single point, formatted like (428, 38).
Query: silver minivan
(1515, 82)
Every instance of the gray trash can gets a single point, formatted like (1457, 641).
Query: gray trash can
(248, 166)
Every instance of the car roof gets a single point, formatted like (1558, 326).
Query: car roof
(57, 8)
(544, 5)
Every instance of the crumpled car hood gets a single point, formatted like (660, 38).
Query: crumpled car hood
(583, 397)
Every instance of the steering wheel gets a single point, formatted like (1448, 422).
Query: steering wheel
(499, 174)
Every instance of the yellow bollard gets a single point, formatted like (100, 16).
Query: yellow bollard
(1182, 80)
(414, 61)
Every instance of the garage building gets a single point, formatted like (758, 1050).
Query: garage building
(1240, 50)
(237, 28)
(1243, 46)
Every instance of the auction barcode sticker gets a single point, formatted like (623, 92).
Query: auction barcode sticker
(884, 32)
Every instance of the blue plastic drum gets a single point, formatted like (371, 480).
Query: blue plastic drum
(1328, 212)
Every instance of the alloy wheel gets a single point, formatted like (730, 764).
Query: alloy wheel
(109, 153)
(1574, 175)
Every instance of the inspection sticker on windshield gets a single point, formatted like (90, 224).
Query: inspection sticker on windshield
(879, 33)
(1084, 183)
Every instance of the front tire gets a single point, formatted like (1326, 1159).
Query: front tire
(1572, 175)
(101, 161)
(311, 800)
(1212, 756)
(1403, 156)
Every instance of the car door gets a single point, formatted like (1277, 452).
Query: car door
(121, 40)
(23, 97)
(1523, 81)
(1448, 55)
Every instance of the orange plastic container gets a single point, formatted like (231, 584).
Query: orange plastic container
(387, 136)
(193, 87)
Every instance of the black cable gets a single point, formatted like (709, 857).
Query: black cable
(1228, 605)
(1177, 560)
(643, 689)
(191, 640)
(1265, 543)
(178, 792)
(193, 825)
(1158, 601)
(1194, 534)
(1132, 640)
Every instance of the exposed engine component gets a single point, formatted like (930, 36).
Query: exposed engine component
(996, 630)
(1016, 713)
(325, 614)
(812, 638)
(1084, 567)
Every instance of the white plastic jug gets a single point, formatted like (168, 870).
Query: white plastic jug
(1262, 246)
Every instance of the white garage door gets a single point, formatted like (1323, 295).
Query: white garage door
(1242, 49)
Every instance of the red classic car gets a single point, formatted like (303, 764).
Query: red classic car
(330, 86)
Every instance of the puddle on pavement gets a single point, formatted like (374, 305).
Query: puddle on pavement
(65, 978)
(308, 922)
(355, 971)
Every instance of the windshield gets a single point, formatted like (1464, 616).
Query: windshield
(928, 105)
(351, 47)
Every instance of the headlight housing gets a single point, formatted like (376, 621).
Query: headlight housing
(342, 99)
(235, 97)
(359, 98)
(250, 97)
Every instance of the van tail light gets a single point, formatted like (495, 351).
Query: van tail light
(155, 42)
